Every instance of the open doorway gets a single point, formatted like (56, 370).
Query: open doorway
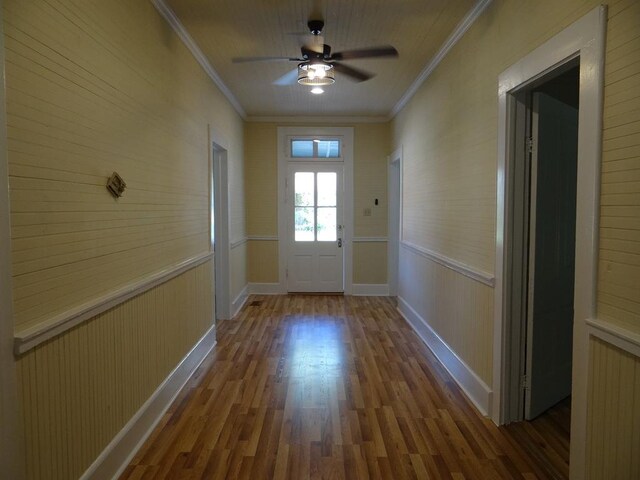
(395, 219)
(583, 42)
(541, 258)
(544, 259)
(219, 231)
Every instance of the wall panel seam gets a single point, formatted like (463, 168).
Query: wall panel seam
(470, 272)
(28, 338)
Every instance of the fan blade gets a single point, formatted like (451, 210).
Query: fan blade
(383, 51)
(289, 78)
(354, 73)
(264, 59)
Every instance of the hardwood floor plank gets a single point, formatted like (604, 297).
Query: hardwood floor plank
(333, 387)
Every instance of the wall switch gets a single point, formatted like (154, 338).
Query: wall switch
(367, 212)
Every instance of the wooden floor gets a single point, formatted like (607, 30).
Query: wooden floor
(333, 387)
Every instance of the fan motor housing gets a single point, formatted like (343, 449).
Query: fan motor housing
(315, 26)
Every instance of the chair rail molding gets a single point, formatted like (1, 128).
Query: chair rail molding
(459, 267)
(28, 338)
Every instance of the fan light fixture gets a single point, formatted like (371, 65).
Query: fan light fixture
(317, 91)
(315, 74)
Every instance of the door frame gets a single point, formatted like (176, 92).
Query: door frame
(346, 135)
(584, 39)
(395, 220)
(11, 451)
(219, 207)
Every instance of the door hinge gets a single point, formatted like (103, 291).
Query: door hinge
(286, 273)
(524, 382)
(530, 145)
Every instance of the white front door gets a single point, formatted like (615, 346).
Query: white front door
(314, 228)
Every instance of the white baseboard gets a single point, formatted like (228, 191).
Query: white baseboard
(239, 301)
(267, 289)
(476, 390)
(370, 289)
(115, 458)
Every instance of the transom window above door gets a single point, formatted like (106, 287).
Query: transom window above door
(315, 148)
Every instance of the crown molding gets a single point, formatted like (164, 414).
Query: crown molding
(318, 119)
(175, 23)
(449, 43)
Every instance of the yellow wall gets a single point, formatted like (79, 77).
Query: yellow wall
(262, 261)
(619, 267)
(370, 263)
(261, 178)
(371, 148)
(89, 92)
(448, 132)
(95, 87)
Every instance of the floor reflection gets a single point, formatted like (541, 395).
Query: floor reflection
(317, 357)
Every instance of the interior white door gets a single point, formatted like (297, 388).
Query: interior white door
(551, 254)
(315, 255)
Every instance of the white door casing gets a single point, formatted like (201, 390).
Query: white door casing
(585, 39)
(395, 220)
(219, 223)
(314, 193)
(345, 134)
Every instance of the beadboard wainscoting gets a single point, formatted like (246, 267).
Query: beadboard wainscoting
(613, 413)
(431, 293)
(80, 389)
(239, 286)
(28, 338)
(114, 459)
(476, 389)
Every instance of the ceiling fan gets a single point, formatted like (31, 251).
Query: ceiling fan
(317, 64)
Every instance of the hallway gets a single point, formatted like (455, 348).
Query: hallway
(327, 387)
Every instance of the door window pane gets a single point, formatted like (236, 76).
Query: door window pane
(327, 228)
(327, 189)
(304, 224)
(304, 189)
(328, 148)
(302, 148)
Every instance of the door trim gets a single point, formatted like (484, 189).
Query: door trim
(584, 39)
(395, 220)
(219, 170)
(11, 451)
(346, 134)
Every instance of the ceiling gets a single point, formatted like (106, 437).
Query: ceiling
(224, 29)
